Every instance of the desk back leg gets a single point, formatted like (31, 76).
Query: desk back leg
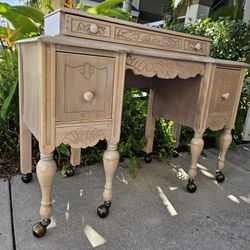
(25, 152)
(150, 128)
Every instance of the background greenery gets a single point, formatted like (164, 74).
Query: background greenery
(230, 41)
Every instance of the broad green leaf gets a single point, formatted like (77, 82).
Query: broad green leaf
(18, 20)
(7, 101)
(63, 150)
(30, 12)
(117, 13)
(104, 6)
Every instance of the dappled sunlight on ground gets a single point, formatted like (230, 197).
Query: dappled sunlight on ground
(233, 198)
(166, 202)
(94, 237)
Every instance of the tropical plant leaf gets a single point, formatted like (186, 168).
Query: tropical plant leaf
(117, 14)
(18, 20)
(7, 101)
(63, 150)
(104, 6)
(30, 12)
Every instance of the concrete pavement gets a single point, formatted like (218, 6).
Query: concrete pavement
(153, 211)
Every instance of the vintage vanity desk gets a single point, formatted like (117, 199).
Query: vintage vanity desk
(72, 82)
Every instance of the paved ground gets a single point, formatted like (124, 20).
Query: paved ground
(153, 211)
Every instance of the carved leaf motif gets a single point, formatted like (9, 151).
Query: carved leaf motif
(83, 137)
(128, 35)
(162, 68)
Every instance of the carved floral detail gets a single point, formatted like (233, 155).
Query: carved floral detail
(83, 137)
(217, 122)
(147, 38)
(86, 70)
(163, 68)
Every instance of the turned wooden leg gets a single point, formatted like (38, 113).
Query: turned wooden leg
(46, 170)
(150, 129)
(25, 153)
(110, 161)
(197, 144)
(225, 141)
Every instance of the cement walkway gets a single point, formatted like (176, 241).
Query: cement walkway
(153, 211)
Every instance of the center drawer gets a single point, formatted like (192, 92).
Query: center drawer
(84, 87)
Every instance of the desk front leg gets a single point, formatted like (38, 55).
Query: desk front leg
(225, 141)
(197, 144)
(46, 170)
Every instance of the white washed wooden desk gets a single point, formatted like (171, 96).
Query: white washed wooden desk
(72, 81)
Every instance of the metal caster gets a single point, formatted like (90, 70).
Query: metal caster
(70, 172)
(219, 176)
(40, 228)
(191, 187)
(103, 210)
(27, 178)
(147, 158)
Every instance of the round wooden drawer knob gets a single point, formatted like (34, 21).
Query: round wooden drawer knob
(88, 96)
(225, 96)
(93, 28)
(197, 46)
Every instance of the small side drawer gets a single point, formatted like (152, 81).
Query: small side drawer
(80, 27)
(84, 87)
(197, 47)
(224, 90)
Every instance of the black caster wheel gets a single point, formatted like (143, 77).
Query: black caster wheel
(40, 228)
(191, 187)
(219, 176)
(147, 158)
(27, 178)
(70, 172)
(103, 210)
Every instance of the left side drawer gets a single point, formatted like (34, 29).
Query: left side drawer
(84, 87)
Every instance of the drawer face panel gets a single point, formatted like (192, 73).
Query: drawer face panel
(82, 27)
(224, 91)
(84, 88)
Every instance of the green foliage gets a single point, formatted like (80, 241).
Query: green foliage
(25, 19)
(107, 8)
(9, 133)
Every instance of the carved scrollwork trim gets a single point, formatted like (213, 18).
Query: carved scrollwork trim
(86, 70)
(164, 68)
(217, 122)
(147, 38)
(84, 137)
